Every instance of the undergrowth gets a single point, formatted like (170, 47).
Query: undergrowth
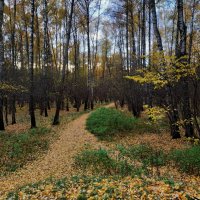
(146, 125)
(147, 155)
(137, 160)
(100, 162)
(109, 187)
(107, 122)
(18, 149)
(188, 160)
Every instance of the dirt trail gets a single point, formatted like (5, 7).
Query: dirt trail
(58, 160)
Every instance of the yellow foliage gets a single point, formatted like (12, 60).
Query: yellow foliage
(168, 72)
(194, 141)
(155, 113)
(5, 87)
(112, 188)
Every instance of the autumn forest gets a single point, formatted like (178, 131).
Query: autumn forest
(99, 99)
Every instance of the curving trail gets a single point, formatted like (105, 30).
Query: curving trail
(58, 162)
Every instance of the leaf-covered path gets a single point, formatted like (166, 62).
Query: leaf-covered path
(58, 162)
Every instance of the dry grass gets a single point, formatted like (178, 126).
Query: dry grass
(162, 141)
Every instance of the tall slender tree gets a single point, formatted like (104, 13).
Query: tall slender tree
(46, 55)
(143, 43)
(65, 65)
(14, 55)
(1, 62)
(31, 68)
(155, 25)
(181, 52)
(86, 9)
(174, 115)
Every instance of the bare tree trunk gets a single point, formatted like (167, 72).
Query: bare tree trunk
(38, 40)
(173, 103)
(133, 57)
(155, 26)
(96, 42)
(127, 35)
(2, 128)
(139, 38)
(181, 51)
(65, 64)
(150, 89)
(195, 82)
(13, 43)
(192, 31)
(26, 33)
(46, 59)
(6, 110)
(1, 63)
(89, 83)
(77, 63)
(13, 109)
(31, 101)
(143, 43)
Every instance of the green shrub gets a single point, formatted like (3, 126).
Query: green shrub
(123, 168)
(145, 154)
(108, 121)
(17, 149)
(103, 162)
(100, 162)
(40, 131)
(82, 197)
(158, 158)
(145, 125)
(96, 160)
(188, 160)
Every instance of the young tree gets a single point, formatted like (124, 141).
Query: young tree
(174, 117)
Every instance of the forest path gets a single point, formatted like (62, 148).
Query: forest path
(58, 162)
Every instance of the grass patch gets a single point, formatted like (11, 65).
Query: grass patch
(120, 162)
(96, 160)
(146, 125)
(114, 174)
(18, 149)
(101, 162)
(188, 160)
(145, 154)
(107, 122)
(137, 160)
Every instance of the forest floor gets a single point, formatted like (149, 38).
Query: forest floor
(58, 162)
